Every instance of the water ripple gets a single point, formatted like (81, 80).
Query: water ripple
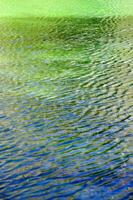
(66, 117)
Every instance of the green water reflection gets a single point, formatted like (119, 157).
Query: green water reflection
(66, 8)
(66, 107)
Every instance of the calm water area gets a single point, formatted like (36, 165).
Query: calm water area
(66, 108)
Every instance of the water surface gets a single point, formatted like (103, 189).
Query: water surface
(66, 108)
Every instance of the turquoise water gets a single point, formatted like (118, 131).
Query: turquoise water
(66, 107)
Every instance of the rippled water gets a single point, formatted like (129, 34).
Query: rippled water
(66, 108)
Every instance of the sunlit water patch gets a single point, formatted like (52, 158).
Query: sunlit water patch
(66, 108)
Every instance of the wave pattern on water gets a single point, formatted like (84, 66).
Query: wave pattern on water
(66, 117)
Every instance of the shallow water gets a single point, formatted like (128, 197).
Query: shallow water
(66, 108)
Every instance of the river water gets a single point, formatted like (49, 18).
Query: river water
(66, 108)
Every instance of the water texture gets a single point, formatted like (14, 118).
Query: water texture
(63, 8)
(66, 108)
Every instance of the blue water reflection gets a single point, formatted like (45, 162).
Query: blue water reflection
(66, 102)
